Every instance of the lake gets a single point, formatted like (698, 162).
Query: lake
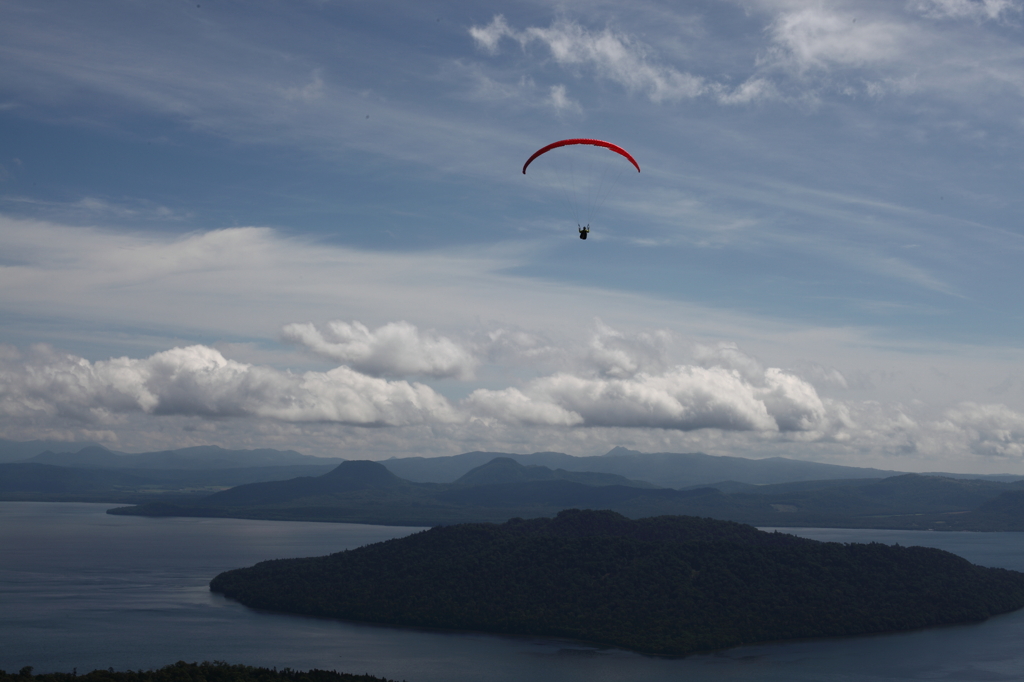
(82, 589)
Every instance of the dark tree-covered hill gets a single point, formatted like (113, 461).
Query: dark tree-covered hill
(669, 585)
(193, 672)
(501, 470)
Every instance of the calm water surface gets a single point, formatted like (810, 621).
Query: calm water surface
(82, 589)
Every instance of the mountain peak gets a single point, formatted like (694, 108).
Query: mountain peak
(504, 470)
(362, 473)
(619, 451)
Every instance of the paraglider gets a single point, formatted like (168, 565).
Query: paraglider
(581, 140)
(583, 179)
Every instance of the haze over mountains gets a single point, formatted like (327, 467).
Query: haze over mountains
(664, 469)
(200, 457)
(367, 492)
(490, 486)
(96, 473)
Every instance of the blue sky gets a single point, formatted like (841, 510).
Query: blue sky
(304, 225)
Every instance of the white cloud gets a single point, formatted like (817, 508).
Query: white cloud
(579, 385)
(561, 101)
(728, 355)
(884, 48)
(817, 35)
(488, 37)
(615, 354)
(683, 397)
(751, 90)
(200, 381)
(510, 405)
(992, 429)
(395, 349)
(196, 390)
(616, 57)
(976, 10)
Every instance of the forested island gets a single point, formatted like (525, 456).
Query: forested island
(193, 672)
(664, 585)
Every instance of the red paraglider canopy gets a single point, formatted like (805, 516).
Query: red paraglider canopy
(581, 140)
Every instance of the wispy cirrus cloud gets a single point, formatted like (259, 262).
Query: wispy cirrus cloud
(819, 35)
(892, 49)
(616, 57)
(975, 10)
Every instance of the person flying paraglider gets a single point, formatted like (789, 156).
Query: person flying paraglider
(572, 197)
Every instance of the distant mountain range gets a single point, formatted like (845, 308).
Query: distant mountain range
(19, 451)
(486, 486)
(367, 492)
(666, 469)
(94, 472)
(201, 457)
(663, 469)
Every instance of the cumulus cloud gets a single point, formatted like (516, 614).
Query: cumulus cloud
(616, 57)
(200, 381)
(727, 354)
(627, 391)
(682, 398)
(987, 429)
(510, 405)
(819, 375)
(964, 432)
(614, 354)
(395, 349)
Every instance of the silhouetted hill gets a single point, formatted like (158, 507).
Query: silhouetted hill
(49, 479)
(360, 474)
(1010, 503)
(93, 457)
(667, 585)
(449, 469)
(669, 469)
(562, 494)
(366, 492)
(201, 457)
(19, 451)
(347, 477)
(218, 671)
(507, 470)
(30, 480)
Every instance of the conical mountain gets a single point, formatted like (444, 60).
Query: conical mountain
(346, 477)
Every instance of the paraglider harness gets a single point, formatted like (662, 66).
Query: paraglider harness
(584, 231)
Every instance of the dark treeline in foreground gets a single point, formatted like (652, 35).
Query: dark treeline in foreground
(194, 672)
(666, 585)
